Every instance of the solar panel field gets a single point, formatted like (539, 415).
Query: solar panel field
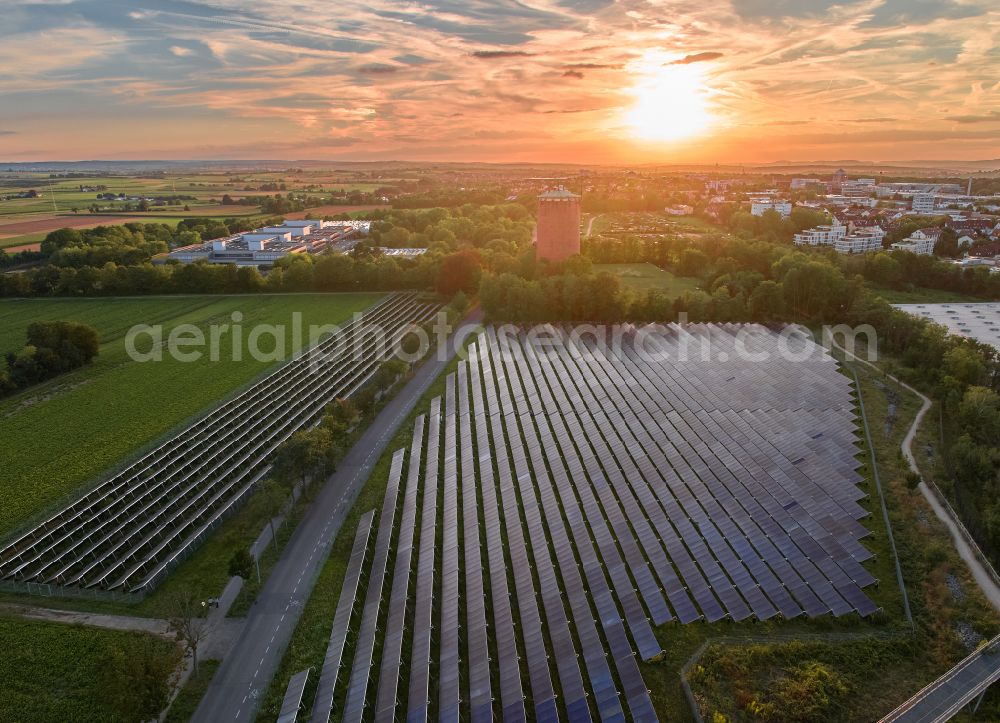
(62, 435)
(561, 501)
(128, 533)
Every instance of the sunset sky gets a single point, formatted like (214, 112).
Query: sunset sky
(587, 81)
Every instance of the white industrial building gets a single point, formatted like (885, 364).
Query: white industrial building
(407, 253)
(263, 246)
(838, 199)
(921, 242)
(760, 206)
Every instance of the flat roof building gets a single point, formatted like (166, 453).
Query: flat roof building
(263, 246)
(760, 206)
(979, 321)
(923, 203)
(825, 235)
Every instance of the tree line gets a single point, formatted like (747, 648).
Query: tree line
(52, 348)
(756, 280)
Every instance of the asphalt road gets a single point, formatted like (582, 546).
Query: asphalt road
(245, 675)
(946, 696)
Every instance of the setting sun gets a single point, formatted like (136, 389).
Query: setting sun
(670, 101)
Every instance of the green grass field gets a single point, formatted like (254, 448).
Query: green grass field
(187, 700)
(921, 296)
(62, 435)
(52, 671)
(647, 277)
(63, 194)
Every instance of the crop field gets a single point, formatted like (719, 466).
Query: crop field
(333, 211)
(43, 223)
(647, 277)
(27, 242)
(52, 671)
(13, 235)
(61, 435)
(61, 195)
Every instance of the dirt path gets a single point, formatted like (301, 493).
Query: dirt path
(982, 576)
(95, 620)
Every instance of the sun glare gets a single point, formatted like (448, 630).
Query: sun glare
(670, 101)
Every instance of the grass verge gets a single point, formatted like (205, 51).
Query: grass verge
(187, 700)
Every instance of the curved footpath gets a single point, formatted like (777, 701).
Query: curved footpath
(243, 679)
(986, 582)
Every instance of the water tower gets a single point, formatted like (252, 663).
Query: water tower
(558, 229)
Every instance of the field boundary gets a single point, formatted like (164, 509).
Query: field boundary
(881, 497)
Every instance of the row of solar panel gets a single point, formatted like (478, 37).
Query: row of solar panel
(645, 493)
(143, 521)
(698, 472)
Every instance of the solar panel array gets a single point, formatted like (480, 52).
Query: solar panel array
(127, 533)
(292, 702)
(575, 495)
(330, 673)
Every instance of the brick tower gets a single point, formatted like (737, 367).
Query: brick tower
(558, 230)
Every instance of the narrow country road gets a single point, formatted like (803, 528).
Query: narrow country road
(246, 672)
(982, 577)
(590, 224)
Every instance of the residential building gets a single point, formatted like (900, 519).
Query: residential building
(760, 206)
(923, 203)
(921, 242)
(825, 235)
(972, 226)
(860, 240)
